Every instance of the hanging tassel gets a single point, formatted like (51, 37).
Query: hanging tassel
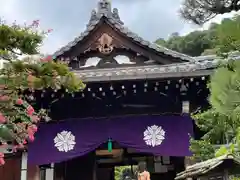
(109, 145)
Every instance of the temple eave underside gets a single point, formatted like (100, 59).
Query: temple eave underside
(180, 70)
(133, 75)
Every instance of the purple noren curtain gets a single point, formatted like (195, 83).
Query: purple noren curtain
(159, 135)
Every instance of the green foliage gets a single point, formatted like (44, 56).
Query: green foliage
(161, 42)
(234, 178)
(219, 38)
(18, 76)
(202, 150)
(228, 36)
(16, 39)
(225, 150)
(225, 91)
(192, 44)
(222, 121)
(122, 172)
(231, 148)
(55, 75)
(218, 127)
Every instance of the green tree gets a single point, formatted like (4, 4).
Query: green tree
(207, 42)
(20, 79)
(161, 42)
(228, 38)
(201, 11)
(222, 121)
(219, 129)
(193, 44)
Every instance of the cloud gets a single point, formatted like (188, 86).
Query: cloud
(68, 18)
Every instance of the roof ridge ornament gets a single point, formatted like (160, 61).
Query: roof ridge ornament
(116, 16)
(104, 8)
(93, 15)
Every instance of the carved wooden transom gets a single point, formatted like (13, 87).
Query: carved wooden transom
(105, 45)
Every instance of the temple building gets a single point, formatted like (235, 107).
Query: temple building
(135, 107)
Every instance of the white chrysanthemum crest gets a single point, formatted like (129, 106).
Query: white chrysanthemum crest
(154, 135)
(64, 141)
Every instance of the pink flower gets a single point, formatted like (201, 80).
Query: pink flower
(19, 102)
(30, 110)
(31, 131)
(2, 162)
(24, 142)
(47, 59)
(33, 128)
(19, 146)
(31, 138)
(35, 23)
(2, 118)
(4, 145)
(49, 30)
(14, 149)
(2, 86)
(4, 98)
(35, 119)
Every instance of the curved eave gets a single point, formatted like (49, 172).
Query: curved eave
(189, 69)
(133, 76)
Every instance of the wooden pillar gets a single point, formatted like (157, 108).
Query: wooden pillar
(186, 110)
(24, 166)
(50, 172)
(95, 171)
(226, 174)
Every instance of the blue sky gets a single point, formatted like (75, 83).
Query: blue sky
(151, 19)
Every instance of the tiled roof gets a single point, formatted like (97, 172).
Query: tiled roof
(204, 167)
(190, 67)
(105, 11)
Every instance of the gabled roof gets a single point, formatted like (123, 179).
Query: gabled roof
(189, 67)
(204, 167)
(104, 11)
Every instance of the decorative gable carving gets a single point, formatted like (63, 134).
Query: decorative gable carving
(104, 6)
(105, 45)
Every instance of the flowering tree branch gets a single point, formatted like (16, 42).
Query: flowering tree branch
(18, 118)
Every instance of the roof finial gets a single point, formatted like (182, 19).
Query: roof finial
(104, 7)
